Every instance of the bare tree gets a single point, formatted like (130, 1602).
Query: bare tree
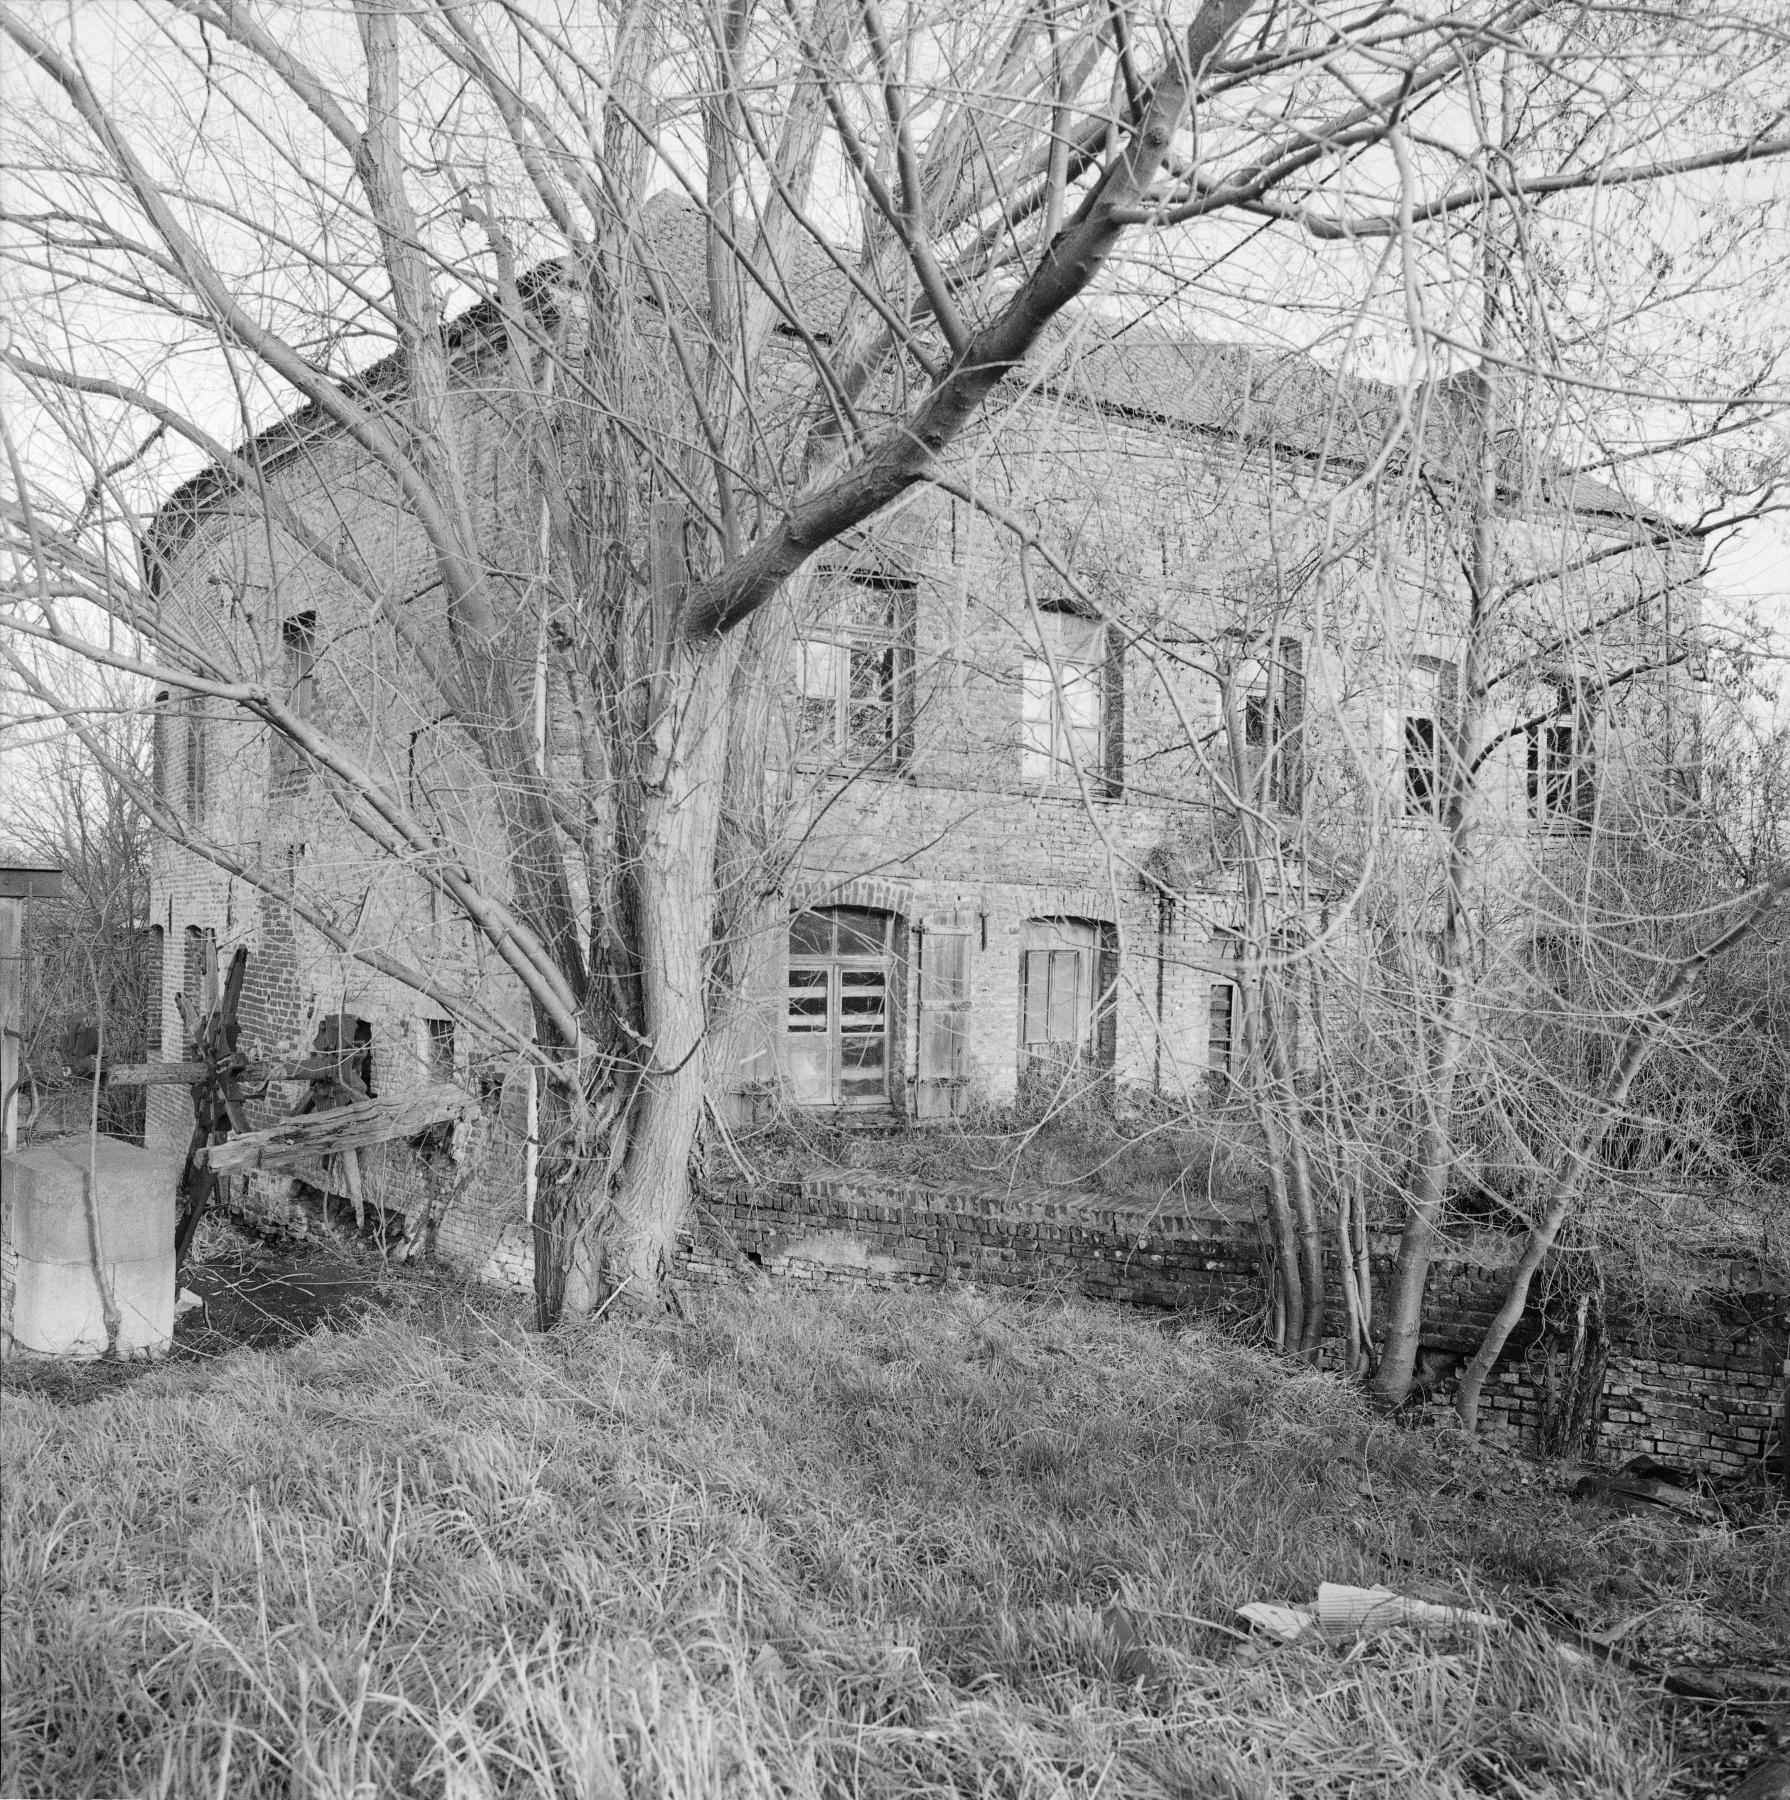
(678, 439)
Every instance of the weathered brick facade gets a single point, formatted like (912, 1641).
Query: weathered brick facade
(1200, 494)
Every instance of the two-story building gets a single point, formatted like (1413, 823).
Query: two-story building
(1175, 604)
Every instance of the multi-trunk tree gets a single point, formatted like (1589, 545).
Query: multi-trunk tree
(219, 210)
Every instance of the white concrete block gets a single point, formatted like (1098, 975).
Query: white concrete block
(56, 1308)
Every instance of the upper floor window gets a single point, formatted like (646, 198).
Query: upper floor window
(1068, 706)
(198, 745)
(1427, 711)
(1273, 707)
(298, 667)
(158, 744)
(1562, 766)
(853, 677)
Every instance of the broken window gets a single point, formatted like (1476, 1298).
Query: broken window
(199, 960)
(287, 765)
(852, 678)
(1562, 768)
(1428, 706)
(836, 1027)
(1273, 708)
(1063, 704)
(438, 1048)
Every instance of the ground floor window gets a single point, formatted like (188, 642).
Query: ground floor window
(1060, 990)
(837, 1024)
(1221, 1015)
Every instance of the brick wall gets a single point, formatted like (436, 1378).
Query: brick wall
(1172, 522)
(1694, 1385)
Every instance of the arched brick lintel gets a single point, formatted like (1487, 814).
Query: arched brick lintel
(871, 891)
(1093, 903)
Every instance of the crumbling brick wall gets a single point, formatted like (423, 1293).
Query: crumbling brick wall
(1693, 1384)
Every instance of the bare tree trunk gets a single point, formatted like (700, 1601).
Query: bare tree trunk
(675, 896)
(1273, 1096)
(1446, 1038)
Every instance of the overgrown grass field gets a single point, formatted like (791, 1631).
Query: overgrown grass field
(858, 1544)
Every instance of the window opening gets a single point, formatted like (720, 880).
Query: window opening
(1422, 773)
(849, 679)
(1428, 702)
(1222, 1007)
(438, 1048)
(1273, 722)
(1221, 1012)
(836, 1025)
(944, 1022)
(197, 772)
(287, 768)
(1063, 716)
(1060, 987)
(158, 745)
(1562, 773)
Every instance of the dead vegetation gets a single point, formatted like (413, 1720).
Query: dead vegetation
(871, 1545)
(1149, 1152)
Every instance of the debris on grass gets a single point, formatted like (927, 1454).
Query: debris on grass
(1341, 1614)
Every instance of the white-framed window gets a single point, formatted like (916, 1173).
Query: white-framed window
(1062, 708)
(1272, 700)
(438, 1048)
(1426, 708)
(1562, 767)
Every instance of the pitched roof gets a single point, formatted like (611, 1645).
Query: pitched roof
(1280, 397)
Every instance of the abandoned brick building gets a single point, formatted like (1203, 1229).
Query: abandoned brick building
(1002, 779)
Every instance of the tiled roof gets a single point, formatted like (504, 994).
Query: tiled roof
(1231, 390)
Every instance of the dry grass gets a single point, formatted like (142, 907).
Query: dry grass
(1153, 1152)
(855, 1545)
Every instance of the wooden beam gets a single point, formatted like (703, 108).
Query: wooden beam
(340, 1129)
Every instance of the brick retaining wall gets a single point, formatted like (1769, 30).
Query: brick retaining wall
(1695, 1386)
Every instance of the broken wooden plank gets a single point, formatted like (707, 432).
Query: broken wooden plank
(341, 1128)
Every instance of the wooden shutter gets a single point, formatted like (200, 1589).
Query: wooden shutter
(1106, 1001)
(1112, 746)
(944, 1024)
